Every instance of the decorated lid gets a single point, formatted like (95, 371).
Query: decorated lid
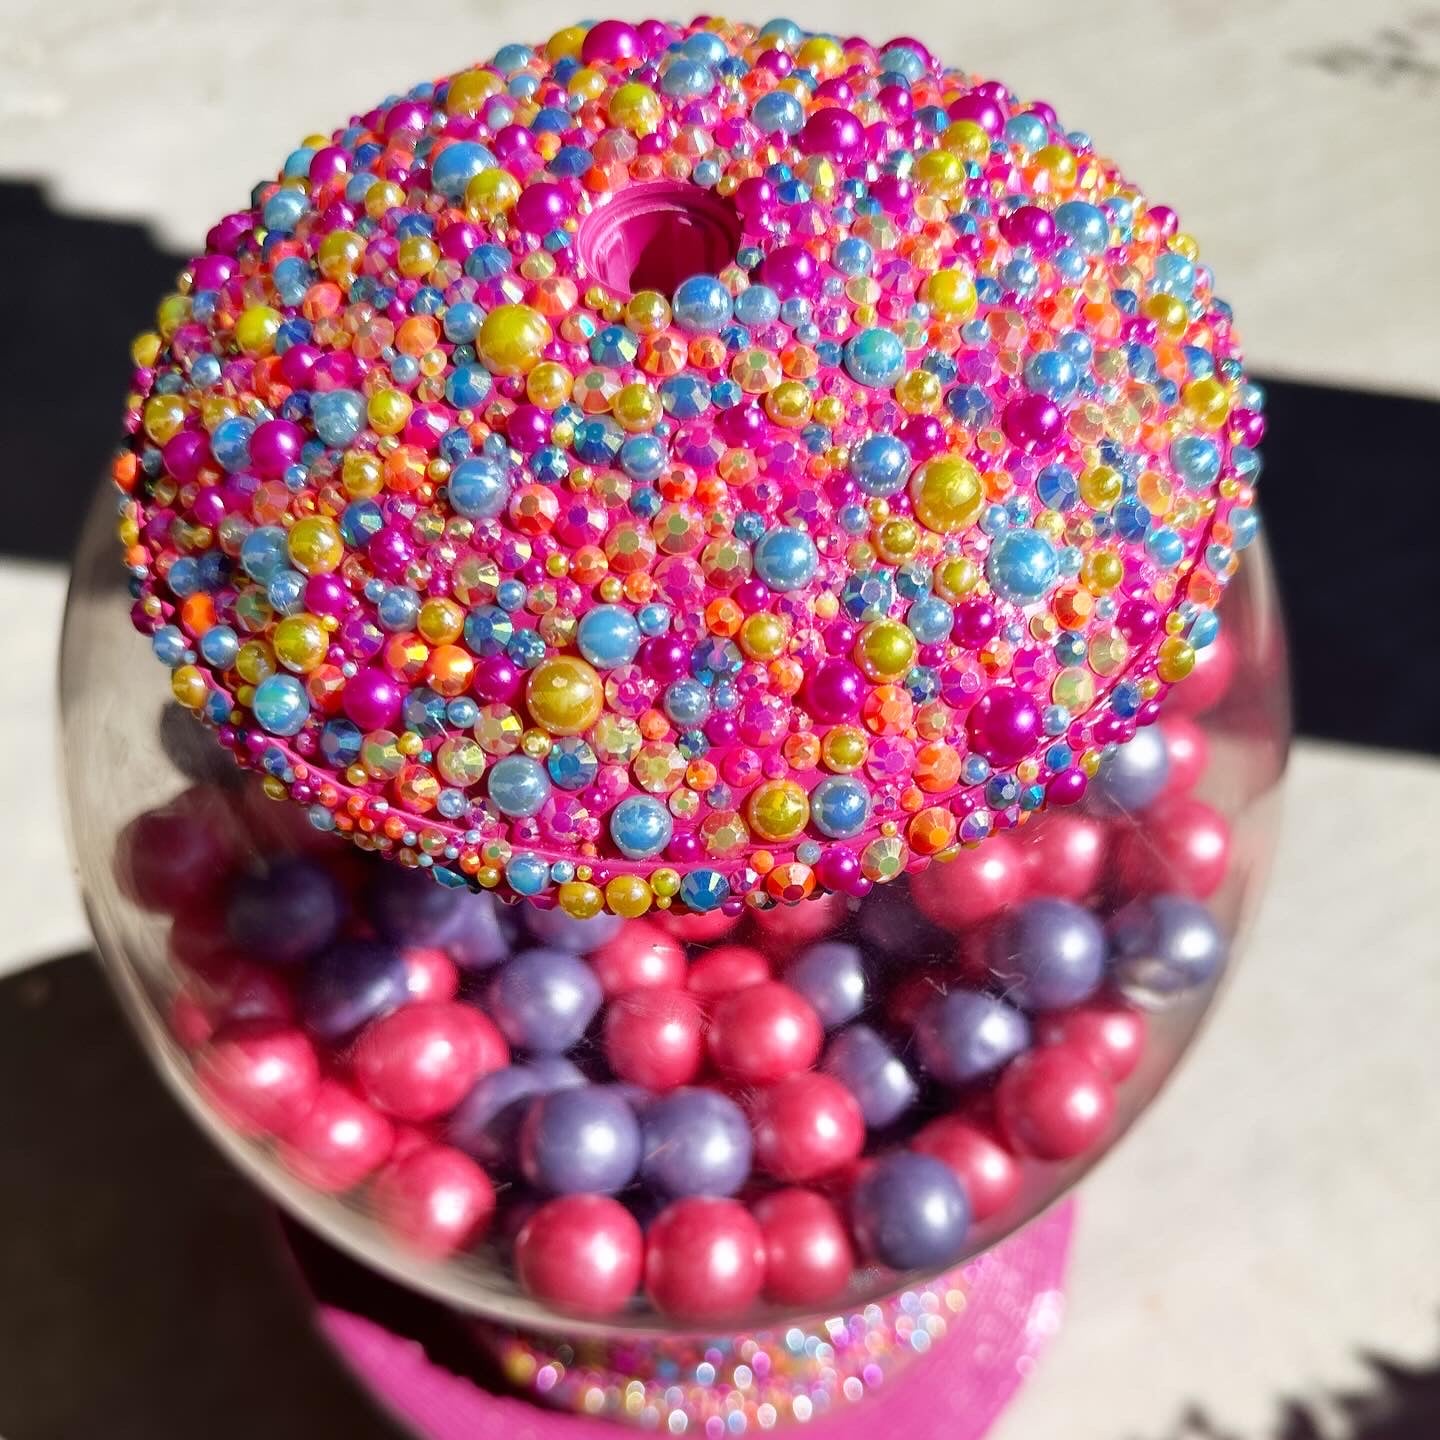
(677, 466)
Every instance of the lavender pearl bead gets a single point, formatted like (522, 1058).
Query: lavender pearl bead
(832, 978)
(1132, 776)
(567, 932)
(867, 1067)
(910, 1212)
(1047, 954)
(486, 1121)
(350, 984)
(411, 907)
(891, 927)
(695, 1142)
(543, 1000)
(292, 911)
(967, 1035)
(1163, 946)
(478, 936)
(580, 1141)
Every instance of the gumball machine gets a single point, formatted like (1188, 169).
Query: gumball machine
(719, 715)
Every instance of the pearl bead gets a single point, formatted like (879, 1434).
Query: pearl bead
(580, 1140)
(908, 1211)
(259, 1075)
(704, 1260)
(872, 1072)
(726, 969)
(486, 1122)
(288, 913)
(808, 1257)
(831, 977)
(695, 1142)
(1109, 1035)
(582, 1254)
(1164, 946)
(1046, 954)
(1132, 776)
(350, 984)
(973, 886)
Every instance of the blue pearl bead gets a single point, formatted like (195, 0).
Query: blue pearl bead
(350, 984)
(867, 1067)
(569, 932)
(785, 558)
(262, 553)
(1047, 954)
(543, 1000)
(840, 807)
(1022, 565)
(695, 1142)
(687, 704)
(608, 636)
(966, 1035)
(880, 465)
(518, 785)
(640, 827)
(486, 1122)
(1164, 945)
(1196, 460)
(289, 913)
(458, 164)
(1085, 225)
(930, 619)
(779, 110)
(831, 976)
(1132, 776)
(759, 305)
(584, 1140)
(281, 705)
(478, 488)
(689, 79)
(702, 305)
(910, 1212)
(874, 358)
(1052, 373)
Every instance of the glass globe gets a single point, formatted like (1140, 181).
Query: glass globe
(561, 1124)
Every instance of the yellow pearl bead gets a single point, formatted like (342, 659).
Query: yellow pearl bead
(885, 650)
(565, 695)
(896, 539)
(256, 329)
(647, 312)
(362, 474)
(969, 140)
(188, 686)
(315, 545)
(564, 44)
(941, 172)
(1101, 487)
(511, 339)
(628, 895)
(549, 385)
(636, 407)
(388, 410)
(300, 643)
(636, 108)
(163, 415)
(1175, 660)
(763, 636)
(955, 579)
(1208, 401)
(778, 810)
(468, 92)
(789, 404)
(821, 54)
(579, 899)
(844, 748)
(441, 621)
(339, 254)
(491, 193)
(947, 494)
(951, 294)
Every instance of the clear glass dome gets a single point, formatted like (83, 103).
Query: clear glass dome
(669, 1124)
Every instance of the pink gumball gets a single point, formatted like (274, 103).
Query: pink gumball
(987, 1170)
(808, 1256)
(177, 857)
(189, 1023)
(975, 885)
(1109, 1035)
(640, 956)
(261, 1076)
(1054, 1103)
(430, 974)
(1181, 846)
(654, 1038)
(704, 1259)
(726, 969)
(433, 1200)
(338, 1142)
(763, 1033)
(1064, 855)
(787, 927)
(581, 1253)
(420, 1061)
(1188, 749)
(1208, 683)
(697, 929)
(806, 1126)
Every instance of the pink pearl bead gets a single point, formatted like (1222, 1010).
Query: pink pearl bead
(981, 111)
(653, 1038)
(834, 690)
(975, 885)
(1064, 855)
(987, 1170)
(831, 131)
(433, 1200)
(1004, 725)
(420, 1061)
(1188, 750)
(1109, 1035)
(610, 40)
(763, 1033)
(581, 1253)
(1181, 845)
(704, 1259)
(260, 1076)
(1054, 1103)
(726, 969)
(640, 956)
(791, 270)
(338, 1142)
(1033, 422)
(806, 1126)
(808, 1256)
(372, 699)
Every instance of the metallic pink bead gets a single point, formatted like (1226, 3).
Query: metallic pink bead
(1004, 725)
(542, 208)
(390, 552)
(407, 115)
(1028, 225)
(791, 270)
(184, 454)
(528, 428)
(1033, 422)
(274, 447)
(326, 595)
(975, 623)
(664, 657)
(457, 241)
(212, 271)
(655, 35)
(371, 698)
(834, 689)
(925, 436)
(985, 113)
(1066, 788)
(328, 163)
(610, 40)
(755, 199)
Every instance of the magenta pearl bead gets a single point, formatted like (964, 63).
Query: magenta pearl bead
(790, 271)
(1004, 725)
(1033, 422)
(834, 690)
(372, 699)
(610, 40)
(832, 131)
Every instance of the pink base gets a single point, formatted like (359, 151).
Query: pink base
(1015, 1300)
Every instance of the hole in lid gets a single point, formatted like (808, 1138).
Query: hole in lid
(651, 237)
